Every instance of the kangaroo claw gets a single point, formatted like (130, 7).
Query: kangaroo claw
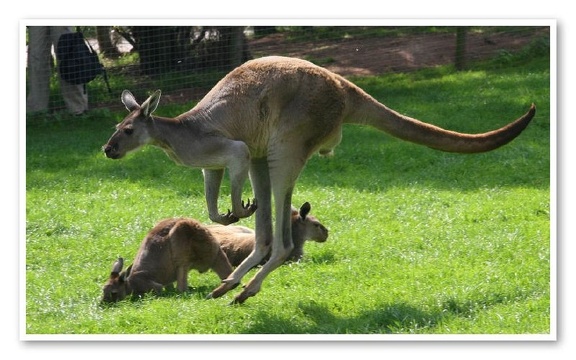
(249, 208)
(226, 219)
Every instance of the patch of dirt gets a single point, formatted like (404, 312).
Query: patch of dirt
(374, 56)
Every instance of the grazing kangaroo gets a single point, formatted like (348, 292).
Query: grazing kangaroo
(237, 242)
(266, 118)
(168, 252)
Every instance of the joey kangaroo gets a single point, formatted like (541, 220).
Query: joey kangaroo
(266, 118)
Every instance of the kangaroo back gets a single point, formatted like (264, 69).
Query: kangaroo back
(237, 242)
(195, 247)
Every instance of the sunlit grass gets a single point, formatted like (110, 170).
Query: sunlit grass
(421, 242)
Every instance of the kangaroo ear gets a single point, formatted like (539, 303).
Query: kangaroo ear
(305, 210)
(129, 101)
(126, 273)
(150, 105)
(117, 267)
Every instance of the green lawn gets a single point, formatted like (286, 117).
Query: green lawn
(421, 242)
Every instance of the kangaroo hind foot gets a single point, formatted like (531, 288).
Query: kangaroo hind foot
(222, 289)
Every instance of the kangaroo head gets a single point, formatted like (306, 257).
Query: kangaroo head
(307, 225)
(116, 288)
(132, 132)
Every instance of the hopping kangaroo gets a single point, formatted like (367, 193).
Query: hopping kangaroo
(265, 119)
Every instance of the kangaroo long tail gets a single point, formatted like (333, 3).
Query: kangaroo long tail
(368, 111)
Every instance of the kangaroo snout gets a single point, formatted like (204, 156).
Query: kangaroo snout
(111, 151)
(323, 234)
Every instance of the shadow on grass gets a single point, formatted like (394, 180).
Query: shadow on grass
(396, 318)
(322, 321)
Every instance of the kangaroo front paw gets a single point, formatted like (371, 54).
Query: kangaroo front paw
(225, 219)
(244, 211)
(247, 209)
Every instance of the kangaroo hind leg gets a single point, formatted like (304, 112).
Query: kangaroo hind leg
(284, 172)
(260, 180)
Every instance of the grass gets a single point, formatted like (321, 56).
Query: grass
(421, 242)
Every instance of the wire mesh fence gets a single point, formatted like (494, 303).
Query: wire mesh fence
(186, 61)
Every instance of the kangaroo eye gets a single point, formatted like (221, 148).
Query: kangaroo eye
(128, 131)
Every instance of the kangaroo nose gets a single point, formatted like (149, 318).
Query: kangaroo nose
(109, 150)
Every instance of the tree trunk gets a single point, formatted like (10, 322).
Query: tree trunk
(158, 48)
(105, 42)
(231, 49)
(167, 48)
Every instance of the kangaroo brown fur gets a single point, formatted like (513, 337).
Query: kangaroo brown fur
(237, 242)
(266, 118)
(168, 252)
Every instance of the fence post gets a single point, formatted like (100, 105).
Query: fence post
(460, 58)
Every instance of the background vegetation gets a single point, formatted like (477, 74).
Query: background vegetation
(187, 61)
(421, 242)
